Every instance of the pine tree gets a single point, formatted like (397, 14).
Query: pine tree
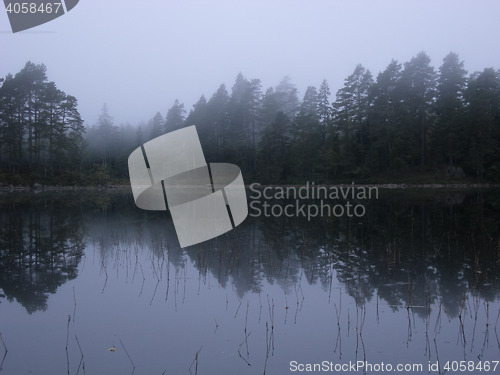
(157, 125)
(324, 106)
(39, 124)
(75, 130)
(274, 158)
(309, 105)
(11, 129)
(483, 112)
(106, 136)
(285, 94)
(219, 120)
(450, 107)
(198, 116)
(418, 84)
(350, 116)
(384, 117)
(175, 117)
(32, 81)
(307, 136)
(54, 126)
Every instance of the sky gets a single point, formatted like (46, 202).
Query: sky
(139, 56)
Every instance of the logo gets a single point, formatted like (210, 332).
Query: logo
(205, 200)
(24, 15)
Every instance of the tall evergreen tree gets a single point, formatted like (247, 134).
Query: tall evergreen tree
(175, 117)
(450, 107)
(199, 116)
(269, 107)
(351, 114)
(254, 110)
(31, 83)
(40, 126)
(385, 120)
(157, 125)
(74, 131)
(324, 106)
(107, 134)
(418, 84)
(483, 112)
(219, 120)
(286, 96)
(307, 136)
(55, 126)
(309, 105)
(274, 148)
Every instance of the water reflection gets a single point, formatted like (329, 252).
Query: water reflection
(41, 243)
(320, 289)
(410, 249)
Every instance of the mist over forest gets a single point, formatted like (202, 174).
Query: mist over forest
(411, 121)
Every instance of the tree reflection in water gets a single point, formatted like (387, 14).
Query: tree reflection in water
(416, 263)
(410, 249)
(41, 243)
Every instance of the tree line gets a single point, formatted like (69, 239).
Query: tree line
(411, 120)
(41, 130)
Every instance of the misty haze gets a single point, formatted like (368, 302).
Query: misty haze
(365, 135)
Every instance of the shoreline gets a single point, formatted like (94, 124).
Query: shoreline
(388, 186)
(42, 188)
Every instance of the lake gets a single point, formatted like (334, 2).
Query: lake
(90, 284)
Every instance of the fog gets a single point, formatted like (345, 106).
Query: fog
(138, 57)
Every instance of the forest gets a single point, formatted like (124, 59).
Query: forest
(411, 123)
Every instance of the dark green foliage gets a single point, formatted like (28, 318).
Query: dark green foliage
(175, 117)
(418, 86)
(240, 134)
(157, 125)
(216, 123)
(307, 138)
(384, 117)
(41, 132)
(411, 122)
(274, 150)
(483, 124)
(350, 114)
(324, 108)
(450, 111)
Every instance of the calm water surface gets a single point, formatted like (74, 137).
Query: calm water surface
(414, 281)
